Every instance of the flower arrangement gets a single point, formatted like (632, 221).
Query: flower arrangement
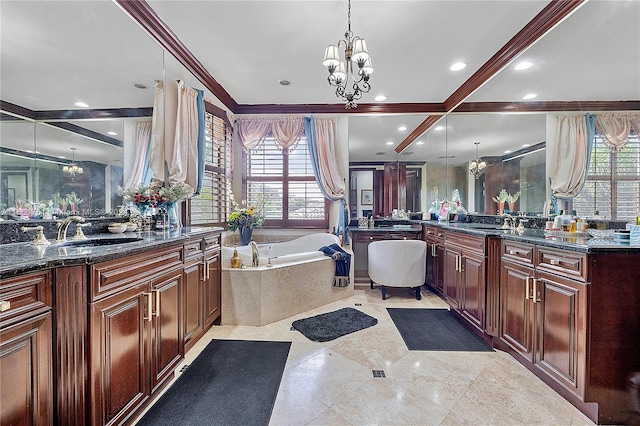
(513, 198)
(144, 196)
(251, 216)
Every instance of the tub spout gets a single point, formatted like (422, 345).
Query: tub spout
(255, 257)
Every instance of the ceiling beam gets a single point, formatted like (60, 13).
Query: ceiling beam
(143, 14)
(390, 108)
(553, 13)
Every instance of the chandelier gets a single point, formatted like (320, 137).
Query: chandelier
(72, 170)
(350, 83)
(477, 166)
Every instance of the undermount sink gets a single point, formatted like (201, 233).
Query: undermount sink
(484, 226)
(98, 242)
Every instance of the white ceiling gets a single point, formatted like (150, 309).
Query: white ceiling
(54, 53)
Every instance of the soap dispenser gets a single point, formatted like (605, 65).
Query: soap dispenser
(236, 262)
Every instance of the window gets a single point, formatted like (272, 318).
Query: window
(613, 182)
(211, 206)
(293, 198)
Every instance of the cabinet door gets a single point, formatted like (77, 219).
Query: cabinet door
(451, 277)
(119, 370)
(439, 268)
(517, 313)
(193, 325)
(561, 324)
(473, 289)
(211, 290)
(430, 277)
(26, 391)
(167, 349)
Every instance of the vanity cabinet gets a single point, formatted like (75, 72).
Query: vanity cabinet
(202, 278)
(360, 240)
(135, 331)
(544, 310)
(26, 367)
(434, 237)
(464, 276)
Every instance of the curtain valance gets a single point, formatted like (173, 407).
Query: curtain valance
(286, 131)
(616, 128)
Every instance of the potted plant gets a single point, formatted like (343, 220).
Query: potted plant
(500, 199)
(73, 200)
(511, 200)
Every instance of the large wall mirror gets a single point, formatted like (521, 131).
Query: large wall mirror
(53, 56)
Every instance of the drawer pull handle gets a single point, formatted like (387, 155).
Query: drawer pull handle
(554, 261)
(513, 252)
(5, 305)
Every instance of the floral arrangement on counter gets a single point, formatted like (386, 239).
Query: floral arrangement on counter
(148, 196)
(501, 197)
(252, 216)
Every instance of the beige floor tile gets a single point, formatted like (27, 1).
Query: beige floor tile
(329, 418)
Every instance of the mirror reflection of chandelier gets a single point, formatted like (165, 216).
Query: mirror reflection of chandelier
(72, 170)
(477, 166)
(341, 73)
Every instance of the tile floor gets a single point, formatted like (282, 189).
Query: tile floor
(332, 383)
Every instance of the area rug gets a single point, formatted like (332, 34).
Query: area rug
(231, 382)
(435, 330)
(329, 326)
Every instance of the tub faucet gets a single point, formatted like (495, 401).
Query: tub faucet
(64, 224)
(255, 256)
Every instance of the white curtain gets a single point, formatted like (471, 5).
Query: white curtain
(329, 157)
(141, 140)
(286, 131)
(616, 127)
(156, 154)
(569, 163)
(183, 165)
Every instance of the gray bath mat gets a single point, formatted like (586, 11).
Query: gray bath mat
(329, 326)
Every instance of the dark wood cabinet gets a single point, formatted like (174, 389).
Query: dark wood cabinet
(544, 314)
(465, 276)
(135, 331)
(434, 237)
(26, 368)
(212, 288)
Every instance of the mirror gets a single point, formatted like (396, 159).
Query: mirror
(74, 56)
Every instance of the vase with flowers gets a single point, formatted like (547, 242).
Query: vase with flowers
(511, 200)
(146, 197)
(168, 196)
(244, 219)
(500, 199)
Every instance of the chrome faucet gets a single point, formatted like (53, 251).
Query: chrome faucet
(63, 225)
(255, 256)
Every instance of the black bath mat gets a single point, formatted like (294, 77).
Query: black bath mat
(435, 330)
(231, 382)
(329, 326)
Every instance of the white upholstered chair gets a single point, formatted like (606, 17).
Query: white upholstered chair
(397, 263)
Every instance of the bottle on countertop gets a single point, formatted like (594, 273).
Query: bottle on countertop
(372, 223)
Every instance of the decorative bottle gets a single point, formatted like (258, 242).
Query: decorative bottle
(236, 262)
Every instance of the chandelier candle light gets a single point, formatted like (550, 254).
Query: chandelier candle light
(477, 166)
(342, 74)
(72, 170)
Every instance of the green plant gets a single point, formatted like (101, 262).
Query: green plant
(73, 198)
(513, 198)
(501, 197)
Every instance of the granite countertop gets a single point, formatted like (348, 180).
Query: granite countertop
(565, 241)
(396, 228)
(17, 258)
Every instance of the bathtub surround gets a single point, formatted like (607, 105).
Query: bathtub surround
(230, 382)
(330, 326)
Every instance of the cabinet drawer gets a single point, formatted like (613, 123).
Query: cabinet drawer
(432, 233)
(192, 250)
(116, 275)
(465, 241)
(562, 262)
(25, 296)
(211, 242)
(517, 252)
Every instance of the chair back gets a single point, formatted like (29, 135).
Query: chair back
(397, 263)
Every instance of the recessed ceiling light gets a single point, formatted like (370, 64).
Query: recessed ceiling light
(389, 143)
(140, 86)
(526, 145)
(522, 65)
(284, 82)
(402, 128)
(529, 96)
(419, 143)
(61, 156)
(81, 104)
(439, 128)
(112, 133)
(458, 66)
(380, 98)
(508, 152)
